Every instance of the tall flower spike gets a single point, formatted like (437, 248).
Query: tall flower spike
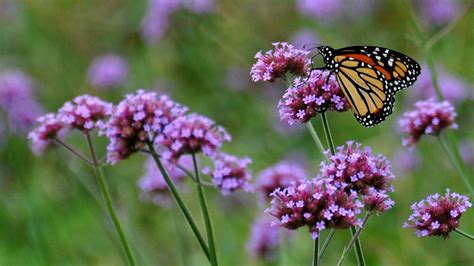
(438, 215)
(276, 63)
(428, 118)
(315, 204)
(192, 133)
(280, 176)
(138, 120)
(308, 97)
(230, 173)
(153, 185)
(50, 127)
(85, 113)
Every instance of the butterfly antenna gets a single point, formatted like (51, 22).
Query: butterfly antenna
(311, 46)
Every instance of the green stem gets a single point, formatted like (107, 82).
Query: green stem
(316, 252)
(179, 200)
(464, 234)
(315, 136)
(358, 246)
(456, 161)
(326, 243)
(327, 132)
(354, 240)
(205, 214)
(108, 202)
(73, 151)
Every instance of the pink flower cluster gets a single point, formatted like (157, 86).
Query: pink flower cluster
(308, 97)
(50, 127)
(85, 113)
(137, 121)
(356, 169)
(316, 204)
(230, 173)
(281, 176)
(264, 239)
(192, 133)
(107, 71)
(437, 215)
(428, 118)
(276, 63)
(153, 185)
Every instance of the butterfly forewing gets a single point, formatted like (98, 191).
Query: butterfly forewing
(369, 77)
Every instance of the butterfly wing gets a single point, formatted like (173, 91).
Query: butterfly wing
(400, 70)
(370, 76)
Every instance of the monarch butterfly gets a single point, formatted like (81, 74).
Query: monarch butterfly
(369, 77)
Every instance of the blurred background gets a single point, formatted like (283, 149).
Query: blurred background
(200, 53)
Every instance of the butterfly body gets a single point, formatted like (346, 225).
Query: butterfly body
(369, 77)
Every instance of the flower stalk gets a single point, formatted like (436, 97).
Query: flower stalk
(456, 161)
(464, 234)
(108, 202)
(205, 214)
(180, 202)
(315, 136)
(316, 252)
(358, 246)
(354, 239)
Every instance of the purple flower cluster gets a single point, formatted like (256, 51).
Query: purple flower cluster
(309, 97)
(316, 204)
(85, 113)
(17, 100)
(356, 169)
(280, 176)
(192, 133)
(437, 215)
(230, 173)
(137, 121)
(156, 20)
(50, 127)
(107, 71)
(428, 118)
(264, 239)
(453, 88)
(153, 185)
(439, 12)
(276, 63)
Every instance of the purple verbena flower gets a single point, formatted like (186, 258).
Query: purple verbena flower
(192, 133)
(438, 215)
(137, 120)
(49, 128)
(264, 239)
(276, 63)
(107, 71)
(153, 186)
(155, 23)
(85, 113)
(428, 118)
(405, 161)
(377, 201)
(453, 88)
(15, 86)
(230, 173)
(356, 169)
(439, 12)
(320, 9)
(315, 204)
(305, 37)
(280, 176)
(22, 116)
(308, 97)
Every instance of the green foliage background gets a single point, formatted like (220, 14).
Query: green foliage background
(51, 212)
